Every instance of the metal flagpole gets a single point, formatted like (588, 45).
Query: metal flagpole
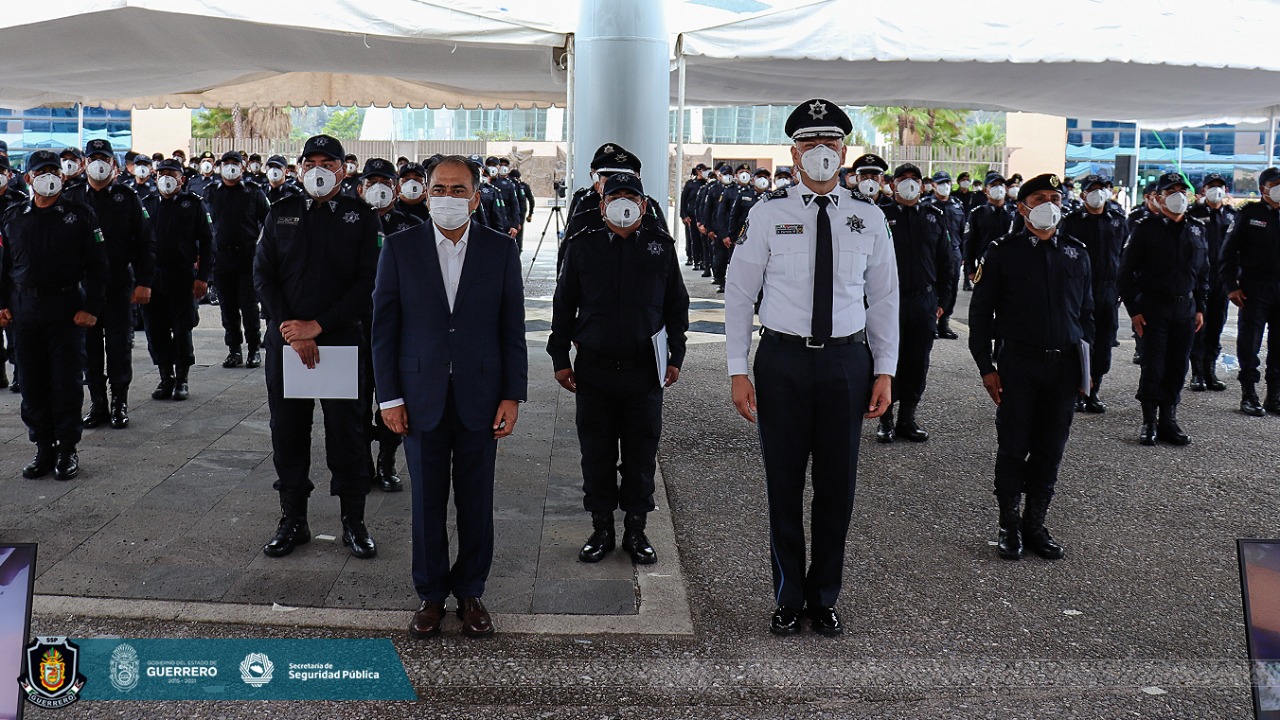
(1271, 136)
(677, 183)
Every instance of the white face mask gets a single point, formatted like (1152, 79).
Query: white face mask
(908, 189)
(351, 168)
(142, 172)
(411, 189)
(275, 175)
(319, 182)
(1176, 203)
(942, 191)
(4, 181)
(47, 185)
(887, 189)
(504, 170)
(69, 167)
(726, 179)
(965, 184)
(744, 177)
(820, 163)
(1013, 191)
(928, 188)
(99, 170)
(206, 167)
(231, 171)
(1274, 193)
(706, 174)
(622, 212)
(869, 187)
(379, 195)
(1215, 194)
(1045, 216)
(254, 167)
(782, 182)
(449, 213)
(996, 192)
(761, 182)
(167, 184)
(1096, 198)
(492, 170)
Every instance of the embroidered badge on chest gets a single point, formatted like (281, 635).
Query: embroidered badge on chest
(655, 248)
(855, 223)
(186, 203)
(1071, 252)
(119, 198)
(69, 218)
(351, 217)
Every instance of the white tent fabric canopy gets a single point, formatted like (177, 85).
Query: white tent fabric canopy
(1159, 63)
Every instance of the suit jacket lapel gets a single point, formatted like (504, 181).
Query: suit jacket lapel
(429, 255)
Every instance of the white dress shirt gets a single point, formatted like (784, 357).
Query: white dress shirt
(777, 255)
(451, 256)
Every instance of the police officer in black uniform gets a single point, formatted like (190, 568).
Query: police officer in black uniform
(53, 281)
(708, 207)
(1218, 215)
(1101, 226)
(412, 192)
(511, 212)
(15, 181)
(205, 176)
(619, 286)
(926, 275)
(1031, 290)
(1251, 277)
(74, 184)
(692, 239)
(238, 210)
(184, 264)
(585, 211)
(351, 181)
(759, 190)
(988, 222)
(957, 219)
(140, 178)
(10, 195)
(278, 185)
(314, 271)
(740, 186)
(868, 172)
(489, 212)
(130, 247)
(527, 202)
(1164, 280)
(254, 172)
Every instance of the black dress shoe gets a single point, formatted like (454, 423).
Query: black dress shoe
(181, 391)
(826, 621)
(1250, 406)
(785, 621)
(255, 359)
(1197, 383)
(884, 430)
(427, 621)
(234, 360)
(164, 390)
(911, 431)
(1080, 404)
(1094, 404)
(42, 464)
(1212, 382)
(601, 542)
(1272, 403)
(945, 332)
(638, 546)
(98, 414)
(119, 412)
(354, 533)
(67, 464)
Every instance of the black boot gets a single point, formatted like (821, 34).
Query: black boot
(1272, 403)
(907, 426)
(292, 530)
(1147, 435)
(254, 359)
(1167, 429)
(884, 433)
(1080, 404)
(1197, 377)
(234, 359)
(1211, 380)
(1249, 404)
(164, 390)
(67, 463)
(1094, 403)
(1009, 540)
(43, 463)
(944, 329)
(180, 389)
(1034, 534)
(602, 538)
(386, 472)
(98, 414)
(119, 406)
(634, 540)
(354, 533)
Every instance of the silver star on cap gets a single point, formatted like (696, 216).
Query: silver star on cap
(817, 109)
(608, 149)
(322, 141)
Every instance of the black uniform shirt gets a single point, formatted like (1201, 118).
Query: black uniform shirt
(688, 196)
(283, 190)
(986, 224)
(418, 210)
(742, 205)
(1103, 235)
(613, 294)
(1164, 260)
(1032, 293)
(184, 235)
(395, 221)
(237, 212)
(317, 260)
(1218, 221)
(923, 249)
(1252, 251)
(130, 244)
(52, 249)
(957, 217)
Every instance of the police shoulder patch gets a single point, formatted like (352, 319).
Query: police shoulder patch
(779, 193)
(381, 239)
(977, 274)
(742, 234)
(97, 235)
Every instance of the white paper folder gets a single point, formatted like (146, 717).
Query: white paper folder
(335, 377)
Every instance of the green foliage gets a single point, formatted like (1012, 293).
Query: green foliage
(986, 134)
(344, 124)
(918, 126)
(493, 135)
(211, 123)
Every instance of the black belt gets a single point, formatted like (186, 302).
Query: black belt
(595, 359)
(1168, 296)
(45, 290)
(1047, 353)
(858, 337)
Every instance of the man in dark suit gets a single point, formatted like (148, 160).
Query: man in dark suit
(450, 366)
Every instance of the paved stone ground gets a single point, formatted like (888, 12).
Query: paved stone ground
(1141, 620)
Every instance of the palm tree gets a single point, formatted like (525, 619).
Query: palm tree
(986, 134)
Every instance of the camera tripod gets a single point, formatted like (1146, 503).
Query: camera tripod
(557, 214)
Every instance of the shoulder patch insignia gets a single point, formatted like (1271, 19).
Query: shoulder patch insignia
(742, 234)
(855, 224)
(381, 239)
(977, 274)
(1258, 223)
(97, 235)
(779, 193)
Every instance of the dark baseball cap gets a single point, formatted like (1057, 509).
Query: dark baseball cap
(98, 146)
(142, 160)
(1213, 178)
(324, 145)
(72, 151)
(1171, 179)
(413, 168)
(1269, 176)
(41, 159)
(906, 168)
(378, 167)
(942, 177)
(169, 164)
(277, 161)
(1089, 181)
(232, 156)
(622, 181)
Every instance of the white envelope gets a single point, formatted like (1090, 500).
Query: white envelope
(335, 377)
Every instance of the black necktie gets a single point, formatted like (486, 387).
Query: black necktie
(823, 274)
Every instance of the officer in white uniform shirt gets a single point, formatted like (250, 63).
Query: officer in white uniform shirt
(828, 350)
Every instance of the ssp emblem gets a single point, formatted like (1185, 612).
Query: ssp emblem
(52, 677)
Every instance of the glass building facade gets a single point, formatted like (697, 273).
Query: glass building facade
(28, 130)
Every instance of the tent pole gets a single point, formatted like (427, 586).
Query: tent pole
(1271, 136)
(80, 124)
(569, 183)
(1137, 165)
(677, 183)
